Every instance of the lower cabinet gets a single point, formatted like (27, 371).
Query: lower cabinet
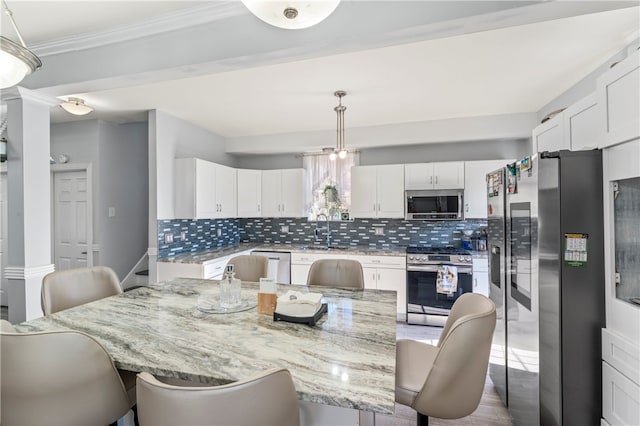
(209, 270)
(380, 272)
(620, 379)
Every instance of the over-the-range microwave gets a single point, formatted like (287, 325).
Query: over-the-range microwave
(433, 205)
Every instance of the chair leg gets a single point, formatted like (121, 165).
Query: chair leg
(423, 420)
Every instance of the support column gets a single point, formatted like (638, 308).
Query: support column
(29, 200)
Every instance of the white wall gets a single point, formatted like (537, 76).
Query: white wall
(585, 86)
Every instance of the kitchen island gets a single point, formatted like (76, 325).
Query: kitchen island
(342, 367)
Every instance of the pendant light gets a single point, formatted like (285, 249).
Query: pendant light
(340, 151)
(16, 61)
(291, 15)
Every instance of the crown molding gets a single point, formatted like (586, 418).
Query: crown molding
(208, 13)
(19, 92)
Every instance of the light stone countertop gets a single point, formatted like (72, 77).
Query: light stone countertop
(347, 359)
(212, 254)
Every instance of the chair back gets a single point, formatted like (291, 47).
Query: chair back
(250, 268)
(336, 273)
(58, 378)
(72, 287)
(267, 399)
(456, 381)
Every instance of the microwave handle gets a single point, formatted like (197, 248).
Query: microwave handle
(460, 205)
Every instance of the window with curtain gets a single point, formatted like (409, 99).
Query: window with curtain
(321, 174)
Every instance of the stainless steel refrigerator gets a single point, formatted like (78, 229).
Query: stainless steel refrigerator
(550, 271)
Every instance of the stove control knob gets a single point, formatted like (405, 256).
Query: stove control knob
(410, 257)
(421, 259)
(469, 259)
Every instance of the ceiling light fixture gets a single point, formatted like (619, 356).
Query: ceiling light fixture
(76, 106)
(340, 151)
(16, 61)
(291, 15)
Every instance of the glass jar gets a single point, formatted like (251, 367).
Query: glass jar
(230, 289)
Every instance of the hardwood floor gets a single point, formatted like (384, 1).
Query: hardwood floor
(490, 412)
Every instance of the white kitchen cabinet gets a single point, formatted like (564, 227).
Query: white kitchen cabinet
(575, 128)
(443, 175)
(380, 272)
(581, 124)
(209, 270)
(475, 186)
(481, 276)
(620, 398)
(618, 92)
(549, 136)
(282, 193)
(204, 190)
(377, 191)
(249, 194)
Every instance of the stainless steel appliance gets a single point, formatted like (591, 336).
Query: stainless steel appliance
(425, 305)
(279, 268)
(552, 287)
(433, 205)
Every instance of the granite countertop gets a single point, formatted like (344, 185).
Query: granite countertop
(213, 254)
(347, 359)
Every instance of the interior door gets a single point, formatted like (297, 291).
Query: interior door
(73, 232)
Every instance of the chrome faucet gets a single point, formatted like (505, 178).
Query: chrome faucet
(317, 230)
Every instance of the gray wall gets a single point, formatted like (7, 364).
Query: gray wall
(124, 186)
(458, 151)
(424, 153)
(269, 162)
(119, 158)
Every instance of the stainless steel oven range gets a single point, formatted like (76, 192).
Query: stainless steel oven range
(436, 277)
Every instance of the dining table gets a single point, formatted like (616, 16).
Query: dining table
(343, 366)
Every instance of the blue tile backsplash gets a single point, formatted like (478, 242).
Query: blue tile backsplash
(203, 234)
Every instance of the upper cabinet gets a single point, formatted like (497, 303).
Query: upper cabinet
(377, 191)
(249, 194)
(282, 193)
(444, 175)
(581, 124)
(549, 136)
(574, 129)
(475, 186)
(619, 100)
(204, 190)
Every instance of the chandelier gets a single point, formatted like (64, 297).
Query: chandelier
(291, 14)
(16, 61)
(340, 151)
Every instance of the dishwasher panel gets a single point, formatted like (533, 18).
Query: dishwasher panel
(279, 265)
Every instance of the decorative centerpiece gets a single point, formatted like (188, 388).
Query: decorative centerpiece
(230, 289)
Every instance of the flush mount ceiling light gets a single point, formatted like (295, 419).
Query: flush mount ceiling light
(291, 15)
(16, 61)
(76, 106)
(340, 151)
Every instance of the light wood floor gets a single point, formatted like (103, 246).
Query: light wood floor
(490, 412)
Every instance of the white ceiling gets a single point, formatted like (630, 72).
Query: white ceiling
(510, 69)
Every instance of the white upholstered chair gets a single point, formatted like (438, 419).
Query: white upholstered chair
(73, 287)
(446, 381)
(266, 399)
(58, 378)
(250, 268)
(336, 273)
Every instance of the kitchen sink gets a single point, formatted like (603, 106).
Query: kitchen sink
(324, 248)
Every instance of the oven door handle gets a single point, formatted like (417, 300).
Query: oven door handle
(434, 268)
